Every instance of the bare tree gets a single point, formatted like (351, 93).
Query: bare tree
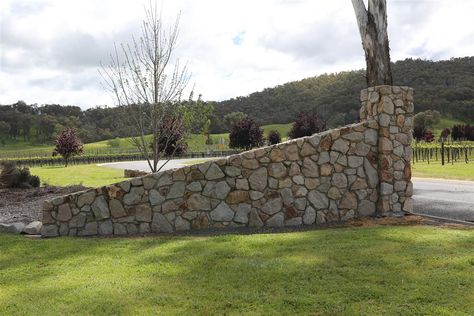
(148, 84)
(372, 24)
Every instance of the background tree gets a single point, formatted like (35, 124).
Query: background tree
(306, 124)
(67, 144)
(232, 118)
(246, 134)
(423, 122)
(372, 24)
(197, 116)
(4, 130)
(148, 84)
(274, 137)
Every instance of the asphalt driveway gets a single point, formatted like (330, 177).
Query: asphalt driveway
(444, 198)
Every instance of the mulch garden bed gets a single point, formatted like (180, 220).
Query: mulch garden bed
(25, 205)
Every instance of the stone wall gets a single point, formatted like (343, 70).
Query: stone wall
(354, 171)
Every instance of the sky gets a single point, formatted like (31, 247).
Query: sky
(51, 50)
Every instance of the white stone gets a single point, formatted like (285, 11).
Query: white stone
(242, 213)
(214, 172)
(318, 199)
(222, 213)
(258, 179)
(309, 216)
(276, 220)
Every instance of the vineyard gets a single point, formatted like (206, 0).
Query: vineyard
(443, 152)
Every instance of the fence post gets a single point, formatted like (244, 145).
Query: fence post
(442, 153)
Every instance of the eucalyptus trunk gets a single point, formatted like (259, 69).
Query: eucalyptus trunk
(372, 24)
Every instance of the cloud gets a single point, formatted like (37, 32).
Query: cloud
(50, 50)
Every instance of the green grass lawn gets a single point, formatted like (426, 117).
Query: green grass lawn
(87, 175)
(415, 270)
(458, 170)
(283, 129)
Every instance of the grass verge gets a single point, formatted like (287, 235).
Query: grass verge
(458, 171)
(351, 271)
(87, 175)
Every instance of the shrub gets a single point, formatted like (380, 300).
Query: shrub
(306, 124)
(274, 137)
(35, 181)
(462, 132)
(418, 132)
(428, 136)
(67, 144)
(13, 176)
(246, 134)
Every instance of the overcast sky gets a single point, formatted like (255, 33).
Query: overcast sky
(50, 50)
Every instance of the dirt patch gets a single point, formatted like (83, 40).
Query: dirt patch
(25, 205)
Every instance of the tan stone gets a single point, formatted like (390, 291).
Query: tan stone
(198, 202)
(286, 183)
(115, 192)
(310, 168)
(250, 163)
(325, 143)
(202, 221)
(334, 193)
(307, 150)
(179, 175)
(385, 144)
(311, 183)
(277, 155)
(294, 169)
(194, 175)
(277, 170)
(292, 152)
(407, 172)
(238, 196)
(349, 201)
(359, 184)
(326, 169)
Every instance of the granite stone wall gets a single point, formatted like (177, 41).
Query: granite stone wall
(355, 171)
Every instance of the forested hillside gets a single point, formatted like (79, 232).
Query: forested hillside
(446, 86)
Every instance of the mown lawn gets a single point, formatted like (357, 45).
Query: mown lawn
(87, 175)
(458, 170)
(350, 271)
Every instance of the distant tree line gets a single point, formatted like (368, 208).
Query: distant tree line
(40, 124)
(443, 86)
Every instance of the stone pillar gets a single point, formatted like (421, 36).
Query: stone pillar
(392, 108)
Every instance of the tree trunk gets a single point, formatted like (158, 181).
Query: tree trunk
(373, 32)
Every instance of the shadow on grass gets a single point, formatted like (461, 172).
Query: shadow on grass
(390, 270)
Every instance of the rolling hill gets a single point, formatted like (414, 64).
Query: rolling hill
(446, 86)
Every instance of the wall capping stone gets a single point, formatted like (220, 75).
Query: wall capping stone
(355, 171)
